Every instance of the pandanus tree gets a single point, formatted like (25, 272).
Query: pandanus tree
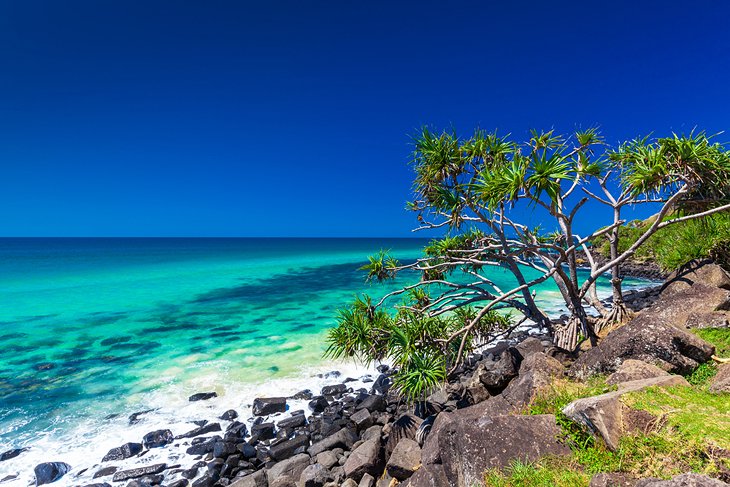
(477, 190)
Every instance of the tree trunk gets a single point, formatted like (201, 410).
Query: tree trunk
(619, 312)
(567, 334)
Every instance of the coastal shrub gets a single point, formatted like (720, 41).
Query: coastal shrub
(678, 244)
(415, 343)
(476, 191)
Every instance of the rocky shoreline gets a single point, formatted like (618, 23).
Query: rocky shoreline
(365, 436)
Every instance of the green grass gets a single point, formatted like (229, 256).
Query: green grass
(692, 433)
(546, 473)
(676, 244)
(693, 413)
(719, 337)
(702, 375)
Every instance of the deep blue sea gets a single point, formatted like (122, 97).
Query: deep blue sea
(92, 330)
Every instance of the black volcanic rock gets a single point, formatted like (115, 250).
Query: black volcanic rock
(127, 450)
(263, 406)
(45, 473)
(157, 438)
(202, 396)
(318, 404)
(139, 472)
(12, 453)
(229, 415)
(208, 428)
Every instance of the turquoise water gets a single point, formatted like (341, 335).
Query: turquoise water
(93, 328)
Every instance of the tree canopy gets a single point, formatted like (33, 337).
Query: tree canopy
(472, 189)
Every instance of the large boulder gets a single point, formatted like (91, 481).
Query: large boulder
(604, 414)
(429, 476)
(703, 272)
(405, 459)
(48, 472)
(406, 426)
(648, 340)
(468, 447)
(431, 452)
(366, 458)
(721, 382)
(291, 467)
(537, 372)
(286, 448)
(710, 319)
(496, 375)
(315, 475)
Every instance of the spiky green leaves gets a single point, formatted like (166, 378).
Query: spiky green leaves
(419, 346)
(666, 163)
(380, 267)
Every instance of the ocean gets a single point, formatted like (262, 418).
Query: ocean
(92, 330)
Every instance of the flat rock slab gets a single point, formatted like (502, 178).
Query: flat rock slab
(202, 430)
(343, 438)
(139, 472)
(468, 448)
(632, 369)
(603, 414)
(202, 396)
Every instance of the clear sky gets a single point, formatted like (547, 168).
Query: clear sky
(268, 118)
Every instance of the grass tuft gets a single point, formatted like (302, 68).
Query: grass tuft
(548, 472)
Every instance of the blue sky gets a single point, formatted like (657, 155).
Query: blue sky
(293, 118)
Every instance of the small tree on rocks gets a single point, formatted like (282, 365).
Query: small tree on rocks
(477, 190)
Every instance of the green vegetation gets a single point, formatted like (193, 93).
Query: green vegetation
(691, 432)
(702, 375)
(692, 413)
(549, 472)
(417, 344)
(677, 244)
(475, 190)
(719, 337)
